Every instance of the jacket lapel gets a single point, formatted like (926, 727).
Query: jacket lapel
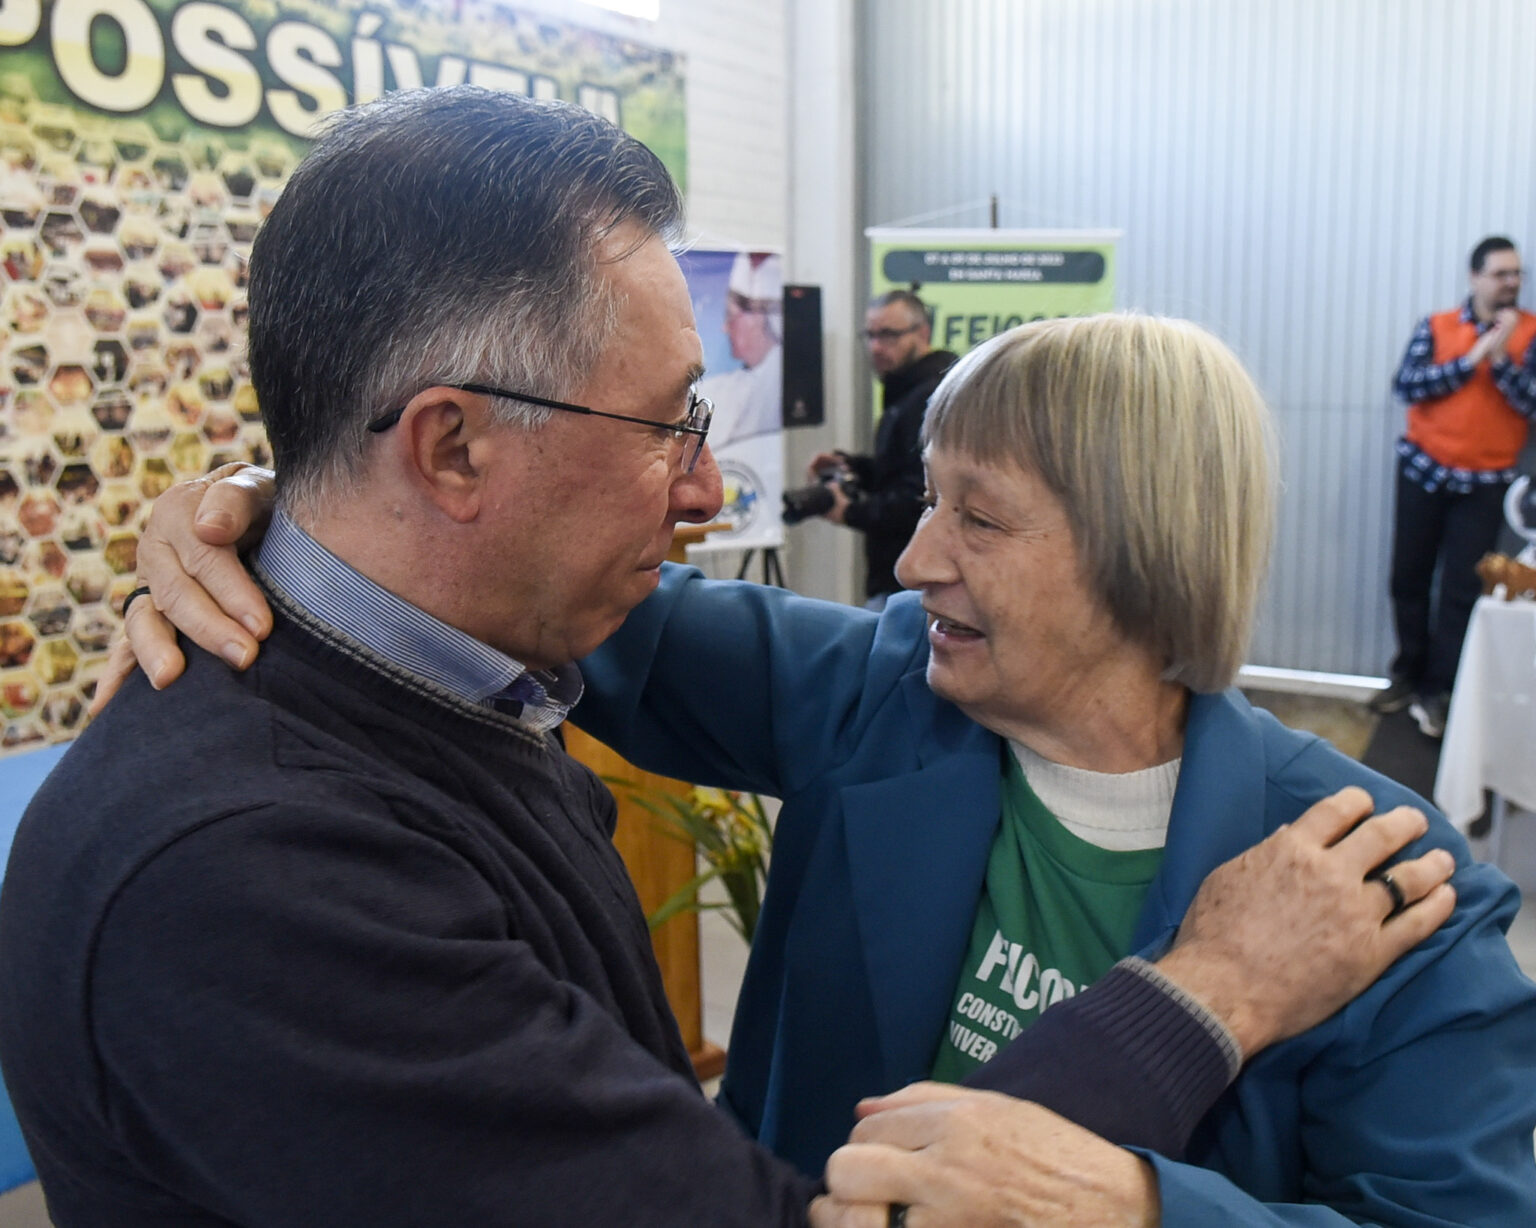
(917, 852)
(1218, 809)
(917, 847)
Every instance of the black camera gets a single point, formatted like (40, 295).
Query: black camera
(816, 499)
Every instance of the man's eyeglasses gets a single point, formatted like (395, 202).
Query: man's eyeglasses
(889, 334)
(695, 422)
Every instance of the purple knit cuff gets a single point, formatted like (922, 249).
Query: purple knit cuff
(1133, 1058)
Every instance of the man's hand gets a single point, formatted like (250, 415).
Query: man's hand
(840, 503)
(1494, 342)
(965, 1159)
(1481, 348)
(823, 464)
(188, 556)
(1503, 329)
(824, 461)
(1284, 935)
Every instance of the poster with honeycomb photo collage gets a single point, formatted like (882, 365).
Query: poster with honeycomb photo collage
(124, 245)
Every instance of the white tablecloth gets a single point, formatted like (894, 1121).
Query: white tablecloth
(1490, 738)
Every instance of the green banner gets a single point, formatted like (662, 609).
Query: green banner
(978, 283)
(255, 67)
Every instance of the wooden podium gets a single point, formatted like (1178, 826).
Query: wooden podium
(659, 865)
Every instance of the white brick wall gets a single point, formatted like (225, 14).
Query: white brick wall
(738, 169)
(737, 110)
(747, 147)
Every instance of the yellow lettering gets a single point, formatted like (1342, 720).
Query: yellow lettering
(299, 54)
(211, 37)
(19, 21)
(143, 71)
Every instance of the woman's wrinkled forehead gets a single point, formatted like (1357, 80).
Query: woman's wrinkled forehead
(961, 472)
(982, 410)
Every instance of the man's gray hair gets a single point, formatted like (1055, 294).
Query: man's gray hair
(437, 237)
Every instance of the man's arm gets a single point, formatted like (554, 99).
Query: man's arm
(1170, 1036)
(1517, 382)
(1420, 378)
(1419, 1113)
(895, 510)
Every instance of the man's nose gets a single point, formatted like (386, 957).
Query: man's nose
(699, 496)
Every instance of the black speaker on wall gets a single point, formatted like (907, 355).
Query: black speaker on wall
(804, 398)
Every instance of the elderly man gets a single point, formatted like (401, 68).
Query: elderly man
(342, 939)
(1469, 379)
(889, 479)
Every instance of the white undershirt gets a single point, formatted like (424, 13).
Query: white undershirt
(1119, 811)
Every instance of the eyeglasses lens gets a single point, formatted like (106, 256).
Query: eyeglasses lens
(701, 411)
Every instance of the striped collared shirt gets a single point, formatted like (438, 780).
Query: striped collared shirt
(341, 597)
(1420, 378)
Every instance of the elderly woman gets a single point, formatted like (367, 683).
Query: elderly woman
(1021, 773)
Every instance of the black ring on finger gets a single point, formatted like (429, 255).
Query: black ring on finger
(1399, 902)
(141, 591)
(896, 1215)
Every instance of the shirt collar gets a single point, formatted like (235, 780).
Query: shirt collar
(1468, 316)
(405, 635)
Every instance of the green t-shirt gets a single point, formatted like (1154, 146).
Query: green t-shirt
(1056, 914)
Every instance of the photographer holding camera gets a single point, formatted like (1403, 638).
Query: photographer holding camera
(881, 494)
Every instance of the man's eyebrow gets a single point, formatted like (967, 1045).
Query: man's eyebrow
(694, 374)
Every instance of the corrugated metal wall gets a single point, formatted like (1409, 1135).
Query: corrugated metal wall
(1305, 177)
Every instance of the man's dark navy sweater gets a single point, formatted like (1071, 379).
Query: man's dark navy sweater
(320, 944)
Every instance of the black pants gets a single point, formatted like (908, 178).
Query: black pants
(1454, 531)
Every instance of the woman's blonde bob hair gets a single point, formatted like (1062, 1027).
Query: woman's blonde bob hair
(1161, 449)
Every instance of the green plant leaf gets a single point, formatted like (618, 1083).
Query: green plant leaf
(729, 830)
(684, 899)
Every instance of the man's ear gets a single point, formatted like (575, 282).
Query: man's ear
(443, 443)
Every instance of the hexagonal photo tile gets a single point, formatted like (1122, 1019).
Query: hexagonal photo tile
(124, 259)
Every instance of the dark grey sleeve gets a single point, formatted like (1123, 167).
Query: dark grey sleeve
(1133, 1058)
(310, 1017)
